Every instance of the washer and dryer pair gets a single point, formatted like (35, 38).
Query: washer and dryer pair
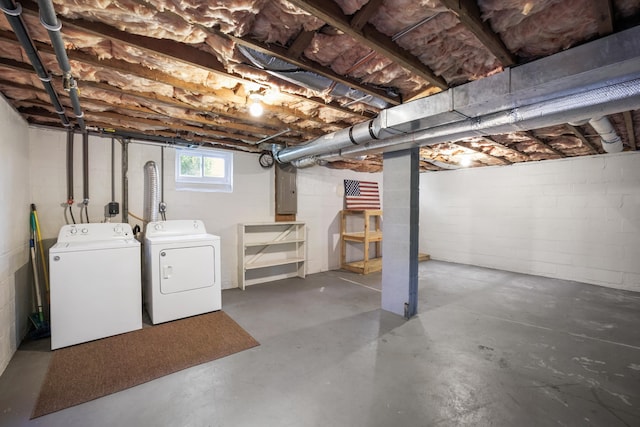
(95, 272)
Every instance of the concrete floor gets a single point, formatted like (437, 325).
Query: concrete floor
(488, 347)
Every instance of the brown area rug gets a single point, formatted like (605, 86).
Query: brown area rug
(91, 370)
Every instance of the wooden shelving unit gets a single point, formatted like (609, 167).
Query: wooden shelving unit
(365, 237)
(270, 251)
(366, 265)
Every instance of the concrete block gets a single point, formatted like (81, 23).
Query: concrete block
(631, 281)
(570, 208)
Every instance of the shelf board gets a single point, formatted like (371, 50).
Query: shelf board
(271, 224)
(370, 212)
(273, 263)
(271, 242)
(359, 236)
(374, 264)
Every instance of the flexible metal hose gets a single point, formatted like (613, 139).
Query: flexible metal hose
(151, 187)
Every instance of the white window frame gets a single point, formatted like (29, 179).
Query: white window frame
(202, 183)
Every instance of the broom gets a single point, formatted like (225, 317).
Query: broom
(37, 318)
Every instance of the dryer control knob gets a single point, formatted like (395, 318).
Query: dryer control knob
(117, 229)
(84, 230)
(158, 227)
(73, 230)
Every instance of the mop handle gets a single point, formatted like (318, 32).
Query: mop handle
(44, 261)
(35, 278)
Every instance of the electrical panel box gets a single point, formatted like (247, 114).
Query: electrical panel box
(286, 193)
(111, 209)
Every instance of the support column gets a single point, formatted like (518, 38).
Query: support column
(400, 232)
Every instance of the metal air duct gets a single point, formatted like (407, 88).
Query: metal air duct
(568, 86)
(607, 100)
(309, 80)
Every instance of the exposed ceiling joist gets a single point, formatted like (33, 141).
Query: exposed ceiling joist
(604, 10)
(125, 67)
(578, 134)
(544, 144)
(469, 14)
(300, 44)
(129, 68)
(330, 12)
(110, 111)
(628, 123)
(154, 98)
(17, 66)
(513, 149)
(200, 141)
(361, 17)
(467, 145)
(109, 116)
(180, 52)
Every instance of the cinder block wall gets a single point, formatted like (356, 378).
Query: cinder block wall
(251, 200)
(320, 200)
(15, 279)
(320, 195)
(576, 219)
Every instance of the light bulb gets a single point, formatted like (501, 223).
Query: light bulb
(256, 109)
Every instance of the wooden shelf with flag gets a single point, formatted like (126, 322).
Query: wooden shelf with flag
(362, 198)
(367, 236)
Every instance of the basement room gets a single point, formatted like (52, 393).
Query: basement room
(320, 213)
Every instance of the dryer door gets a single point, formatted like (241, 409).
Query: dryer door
(185, 269)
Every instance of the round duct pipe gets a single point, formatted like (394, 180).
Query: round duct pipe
(354, 135)
(605, 100)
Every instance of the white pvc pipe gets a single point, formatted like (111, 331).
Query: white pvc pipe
(611, 142)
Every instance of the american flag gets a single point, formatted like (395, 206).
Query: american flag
(361, 194)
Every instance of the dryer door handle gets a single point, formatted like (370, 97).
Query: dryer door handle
(167, 271)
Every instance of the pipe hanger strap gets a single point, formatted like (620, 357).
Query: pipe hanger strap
(12, 12)
(51, 27)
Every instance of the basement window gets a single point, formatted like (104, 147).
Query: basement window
(204, 170)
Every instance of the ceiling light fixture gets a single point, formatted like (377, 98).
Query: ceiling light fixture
(255, 105)
(465, 161)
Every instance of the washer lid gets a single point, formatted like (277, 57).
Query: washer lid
(93, 245)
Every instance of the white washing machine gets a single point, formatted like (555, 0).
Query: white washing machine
(182, 270)
(95, 283)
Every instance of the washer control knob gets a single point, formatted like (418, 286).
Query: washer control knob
(117, 229)
(73, 230)
(84, 230)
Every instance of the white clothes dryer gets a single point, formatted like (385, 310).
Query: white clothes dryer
(95, 288)
(182, 270)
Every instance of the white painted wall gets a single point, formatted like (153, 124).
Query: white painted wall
(576, 219)
(320, 200)
(320, 195)
(251, 200)
(15, 292)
